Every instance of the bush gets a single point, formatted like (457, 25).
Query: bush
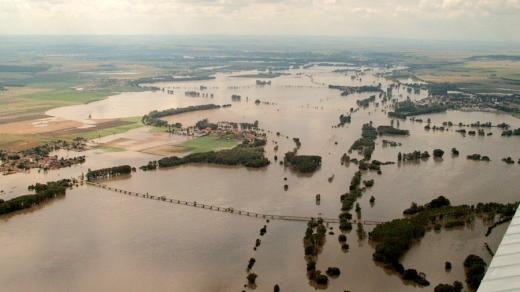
(333, 272)
(412, 275)
(438, 153)
(251, 278)
(445, 288)
(475, 270)
(276, 288)
(368, 183)
(322, 279)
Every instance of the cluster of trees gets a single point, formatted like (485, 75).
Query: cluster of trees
(333, 272)
(169, 78)
(504, 210)
(392, 240)
(108, 172)
(374, 165)
(248, 155)
(408, 108)
(154, 118)
(438, 153)
(203, 124)
(435, 128)
(348, 200)
(508, 160)
(263, 83)
(298, 142)
(455, 152)
(475, 269)
(390, 130)
(508, 133)
(43, 192)
(346, 90)
(440, 89)
(413, 156)
(313, 242)
(395, 237)
(455, 287)
(245, 125)
(344, 119)
(365, 102)
(366, 144)
(236, 97)
(478, 157)
(391, 143)
(441, 201)
(302, 163)
(368, 183)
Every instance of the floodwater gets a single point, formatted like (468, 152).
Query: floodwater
(95, 239)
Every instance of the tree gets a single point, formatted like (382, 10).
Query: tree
(333, 272)
(251, 278)
(475, 270)
(438, 153)
(322, 279)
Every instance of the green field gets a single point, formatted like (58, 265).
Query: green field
(483, 76)
(126, 125)
(208, 143)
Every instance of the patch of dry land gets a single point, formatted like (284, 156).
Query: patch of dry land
(38, 126)
(20, 135)
(473, 71)
(143, 139)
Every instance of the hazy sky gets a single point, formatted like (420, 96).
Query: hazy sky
(430, 19)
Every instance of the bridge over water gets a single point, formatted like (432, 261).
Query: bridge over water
(228, 210)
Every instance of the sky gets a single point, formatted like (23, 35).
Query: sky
(484, 20)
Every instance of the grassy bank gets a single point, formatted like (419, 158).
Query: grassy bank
(208, 143)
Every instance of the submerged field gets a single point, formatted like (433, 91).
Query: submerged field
(111, 241)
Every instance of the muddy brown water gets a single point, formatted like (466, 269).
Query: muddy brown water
(99, 240)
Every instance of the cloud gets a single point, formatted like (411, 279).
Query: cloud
(451, 19)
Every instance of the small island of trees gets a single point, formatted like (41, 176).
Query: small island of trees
(344, 119)
(366, 144)
(302, 163)
(475, 269)
(43, 192)
(391, 131)
(154, 117)
(108, 172)
(249, 154)
(313, 242)
(478, 157)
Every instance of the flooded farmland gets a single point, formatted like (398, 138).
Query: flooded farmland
(95, 239)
